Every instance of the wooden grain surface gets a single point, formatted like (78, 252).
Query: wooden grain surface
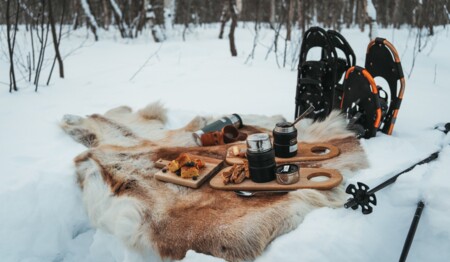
(212, 165)
(335, 178)
(306, 152)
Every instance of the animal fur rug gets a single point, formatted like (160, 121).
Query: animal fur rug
(122, 197)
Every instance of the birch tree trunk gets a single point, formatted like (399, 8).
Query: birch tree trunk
(125, 32)
(150, 17)
(169, 13)
(92, 23)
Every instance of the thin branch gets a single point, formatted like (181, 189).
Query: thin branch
(145, 63)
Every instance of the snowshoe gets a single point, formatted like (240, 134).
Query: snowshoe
(361, 102)
(382, 60)
(318, 79)
(343, 63)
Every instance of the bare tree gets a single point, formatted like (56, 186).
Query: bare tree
(255, 39)
(290, 20)
(106, 14)
(234, 17)
(301, 15)
(43, 38)
(11, 44)
(186, 19)
(224, 17)
(56, 41)
(396, 16)
(273, 11)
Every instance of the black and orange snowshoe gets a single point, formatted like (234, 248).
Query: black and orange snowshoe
(366, 104)
(361, 102)
(382, 60)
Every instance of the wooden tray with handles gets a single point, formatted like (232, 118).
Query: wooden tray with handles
(306, 152)
(306, 174)
(212, 165)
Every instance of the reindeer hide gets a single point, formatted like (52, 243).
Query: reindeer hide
(122, 197)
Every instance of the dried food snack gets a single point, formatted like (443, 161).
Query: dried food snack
(189, 172)
(236, 174)
(173, 166)
(183, 159)
(185, 166)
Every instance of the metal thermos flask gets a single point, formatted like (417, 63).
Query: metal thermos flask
(261, 158)
(285, 140)
(233, 119)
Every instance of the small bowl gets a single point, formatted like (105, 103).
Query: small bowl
(287, 174)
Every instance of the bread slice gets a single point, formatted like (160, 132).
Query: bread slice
(189, 172)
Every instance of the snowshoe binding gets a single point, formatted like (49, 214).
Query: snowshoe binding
(382, 60)
(318, 79)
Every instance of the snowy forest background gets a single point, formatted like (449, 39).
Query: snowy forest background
(46, 24)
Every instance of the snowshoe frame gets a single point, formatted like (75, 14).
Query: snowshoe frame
(318, 81)
(382, 60)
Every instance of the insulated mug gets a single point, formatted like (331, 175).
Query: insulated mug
(285, 140)
(261, 158)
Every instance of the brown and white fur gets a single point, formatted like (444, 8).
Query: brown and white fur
(122, 197)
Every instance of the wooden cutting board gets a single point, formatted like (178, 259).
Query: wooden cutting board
(306, 152)
(212, 165)
(306, 174)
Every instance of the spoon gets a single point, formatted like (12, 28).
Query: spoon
(252, 193)
(307, 112)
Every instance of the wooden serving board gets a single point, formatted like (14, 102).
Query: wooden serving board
(212, 165)
(306, 174)
(306, 152)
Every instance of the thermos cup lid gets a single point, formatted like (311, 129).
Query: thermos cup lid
(259, 143)
(197, 137)
(237, 120)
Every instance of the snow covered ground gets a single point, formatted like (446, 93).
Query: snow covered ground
(41, 213)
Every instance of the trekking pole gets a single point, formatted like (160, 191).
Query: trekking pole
(412, 231)
(362, 196)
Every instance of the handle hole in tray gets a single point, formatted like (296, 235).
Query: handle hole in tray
(320, 150)
(318, 177)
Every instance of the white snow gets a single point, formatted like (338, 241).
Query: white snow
(41, 212)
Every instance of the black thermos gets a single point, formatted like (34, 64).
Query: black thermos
(285, 140)
(261, 158)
